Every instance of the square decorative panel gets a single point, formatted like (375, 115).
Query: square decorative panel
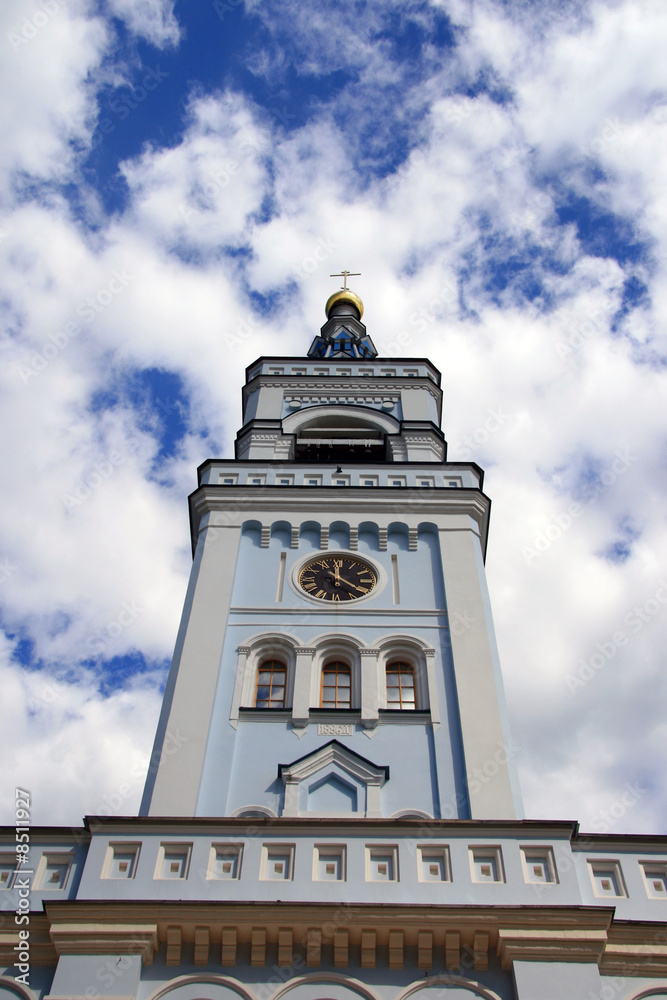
(655, 878)
(486, 864)
(225, 861)
(434, 864)
(539, 866)
(121, 860)
(329, 863)
(278, 862)
(173, 861)
(53, 871)
(607, 878)
(382, 863)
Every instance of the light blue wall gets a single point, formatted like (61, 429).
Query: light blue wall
(426, 766)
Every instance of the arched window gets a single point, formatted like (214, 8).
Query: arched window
(271, 684)
(401, 686)
(336, 685)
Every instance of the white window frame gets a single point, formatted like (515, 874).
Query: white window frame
(332, 649)
(250, 655)
(400, 651)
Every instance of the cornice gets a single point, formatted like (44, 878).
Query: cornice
(514, 933)
(641, 947)
(42, 951)
(389, 500)
(300, 501)
(381, 385)
(300, 360)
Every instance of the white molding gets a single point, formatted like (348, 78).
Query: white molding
(448, 979)
(243, 811)
(210, 979)
(337, 978)
(365, 415)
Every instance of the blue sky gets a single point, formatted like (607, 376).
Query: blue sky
(177, 183)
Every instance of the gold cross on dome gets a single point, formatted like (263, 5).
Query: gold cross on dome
(345, 275)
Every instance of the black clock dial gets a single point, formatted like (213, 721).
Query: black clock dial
(337, 578)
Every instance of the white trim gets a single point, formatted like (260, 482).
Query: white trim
(268, 645)
(263, 810)
(359, 415)
(9, 983)
(421, 657)
(656, 990)
(411, 814)
(212, 980)
(447, 979)
(328, 977)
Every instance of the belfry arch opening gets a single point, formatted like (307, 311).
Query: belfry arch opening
(335, 436)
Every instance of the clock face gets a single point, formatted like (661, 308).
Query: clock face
(337, 578)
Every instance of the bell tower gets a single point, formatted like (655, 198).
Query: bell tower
(331, 808)
(336, 655)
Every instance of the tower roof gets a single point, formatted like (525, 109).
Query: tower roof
(340, 302)
(343, 334)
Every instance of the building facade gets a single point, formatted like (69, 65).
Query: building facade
(332, 809)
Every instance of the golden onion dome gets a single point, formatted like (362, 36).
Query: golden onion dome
(344, 295)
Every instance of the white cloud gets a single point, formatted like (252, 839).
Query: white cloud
(49, 58)
(88, 753)
(153, 20)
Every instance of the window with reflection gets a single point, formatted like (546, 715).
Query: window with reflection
(401, 686)
(336, 685)
(271, 685)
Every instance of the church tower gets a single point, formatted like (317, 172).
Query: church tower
(331, 810)
(336, 655)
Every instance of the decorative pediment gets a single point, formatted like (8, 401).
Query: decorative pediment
(332, 781)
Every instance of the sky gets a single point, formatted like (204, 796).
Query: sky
(177, 182)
